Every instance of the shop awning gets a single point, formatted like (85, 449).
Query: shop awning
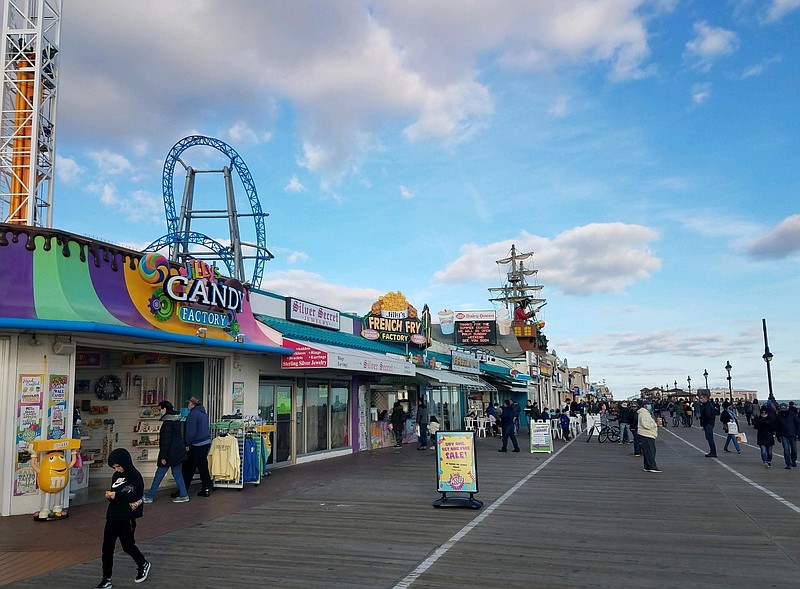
(445, 377)
(478, 384)
(309, 355)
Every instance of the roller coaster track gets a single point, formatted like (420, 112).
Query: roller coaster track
(175, 235)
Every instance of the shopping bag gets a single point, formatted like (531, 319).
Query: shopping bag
(741, 437)
(733, 427)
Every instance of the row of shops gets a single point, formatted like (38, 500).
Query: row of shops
(93, 336)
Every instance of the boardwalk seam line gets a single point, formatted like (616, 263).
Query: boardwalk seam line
(442, 549)
(754, 484)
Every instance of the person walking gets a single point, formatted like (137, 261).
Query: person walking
(171, 454)
(507, 423)
(787, 428)
(527, 410)
(124, 508)
(626, 416)
(647, 428)
(398, 421)
(765, 436)
(198, 442)
(423, 419)
(748, 411)
(731, 426)
(708, 417)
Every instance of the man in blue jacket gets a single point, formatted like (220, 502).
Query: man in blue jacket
(198, 442)
(507, 423)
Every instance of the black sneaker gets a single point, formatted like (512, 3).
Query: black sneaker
(204, 493)
(104, 584)
(143, 572)
(175, 494)
(502, 450)
(515, 450)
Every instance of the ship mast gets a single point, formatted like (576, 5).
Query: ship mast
(516, 293)
(517, 289)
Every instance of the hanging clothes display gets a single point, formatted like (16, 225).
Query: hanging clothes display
(237, 454)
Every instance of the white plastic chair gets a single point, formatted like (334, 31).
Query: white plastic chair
(481, 427)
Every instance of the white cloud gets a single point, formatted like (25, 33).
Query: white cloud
(709, 44)
(295, 257)
(779, 242)
(68, 170)
(758, 68)
(294, 185)
(345, 68)
(313, 288)
(110, 164)
(599, 257)
(559, 108)
(780, 8)
(106, 191)
(701, 93)
(406, 193)
(241, 133)
(138, 206)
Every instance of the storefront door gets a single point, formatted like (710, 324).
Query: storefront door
(188, 381)
(275, 408)
(445, 405)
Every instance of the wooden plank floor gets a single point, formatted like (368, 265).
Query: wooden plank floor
(589, 518)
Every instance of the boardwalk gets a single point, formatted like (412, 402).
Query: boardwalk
(587, 516)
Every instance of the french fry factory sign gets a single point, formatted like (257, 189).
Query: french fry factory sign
(392, 319)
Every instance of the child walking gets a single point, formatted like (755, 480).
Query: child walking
(124, 508)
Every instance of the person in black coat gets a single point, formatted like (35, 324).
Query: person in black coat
(124, 508)
(171, 454)
(765, 437)
(708, 417)
(398, 421)
(787, 428)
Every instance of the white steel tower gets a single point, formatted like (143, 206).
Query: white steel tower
(29, 60)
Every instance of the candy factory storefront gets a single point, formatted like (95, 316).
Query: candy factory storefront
(95, 332)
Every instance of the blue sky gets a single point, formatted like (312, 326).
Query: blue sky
(646, 151)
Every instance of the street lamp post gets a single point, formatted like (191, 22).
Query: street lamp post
(689, 380)
(728, 367)
(768, 358)
(705, 375)
(676, 387)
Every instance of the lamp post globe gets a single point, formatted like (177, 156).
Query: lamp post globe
(728, 368)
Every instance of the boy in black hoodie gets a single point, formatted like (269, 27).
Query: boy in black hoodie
(124, 507)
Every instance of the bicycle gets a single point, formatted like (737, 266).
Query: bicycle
(604, 432)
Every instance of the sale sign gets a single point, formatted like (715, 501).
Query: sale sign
(456, 466)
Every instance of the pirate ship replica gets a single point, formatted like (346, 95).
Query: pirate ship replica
(521, 300)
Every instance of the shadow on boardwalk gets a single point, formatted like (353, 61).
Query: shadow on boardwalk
(590, 517)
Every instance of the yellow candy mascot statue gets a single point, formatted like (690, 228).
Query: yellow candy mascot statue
(52, 472)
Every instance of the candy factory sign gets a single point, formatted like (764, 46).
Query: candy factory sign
(195, 292)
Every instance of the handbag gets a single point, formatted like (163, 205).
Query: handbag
(733, 427)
